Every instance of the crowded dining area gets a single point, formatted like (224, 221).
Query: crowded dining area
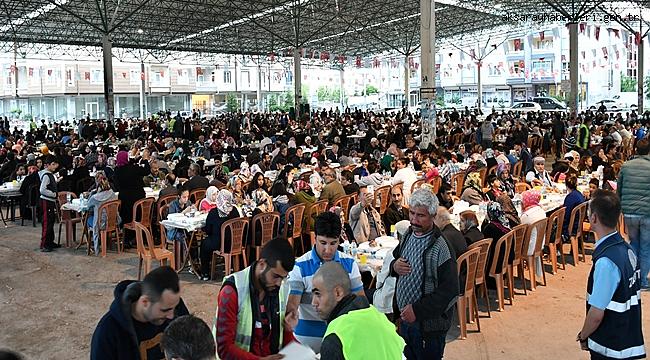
(210, 197)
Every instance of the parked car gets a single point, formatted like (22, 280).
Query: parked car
(610, 105)
(549, 103)
(526, 106)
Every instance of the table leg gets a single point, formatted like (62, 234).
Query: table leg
(187, 258)
(84, 232)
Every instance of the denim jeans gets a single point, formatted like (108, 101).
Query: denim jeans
(418, 348)
(638, 229)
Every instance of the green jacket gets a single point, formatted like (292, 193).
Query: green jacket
(634, 186)
(306, 198)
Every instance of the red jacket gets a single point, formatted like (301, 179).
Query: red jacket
(226, 326)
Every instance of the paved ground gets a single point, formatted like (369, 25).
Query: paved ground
(52, 302)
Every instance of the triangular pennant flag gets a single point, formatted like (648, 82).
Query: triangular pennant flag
(541, 35)
(605, 51)
(582, 27)
(597, 32)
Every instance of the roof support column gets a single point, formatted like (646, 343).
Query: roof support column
(142, 86)
(479, 87)
(107, 50)
(260, 108)
(428, 66)
(640, 78)
(407, 75)
(573, 66)
(297, 77)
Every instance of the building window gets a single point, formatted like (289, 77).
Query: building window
(183, 77)
(134, 77)
(542, 67)
(96, 76)
(35, 75)
(246, 77)
(263, 77)
(631, 72)
(543, 44)
(50, 76)
(158, 78)
(227, 77)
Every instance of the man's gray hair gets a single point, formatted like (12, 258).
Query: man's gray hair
(425, 198)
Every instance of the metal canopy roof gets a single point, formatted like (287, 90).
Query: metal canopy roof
(347, 27)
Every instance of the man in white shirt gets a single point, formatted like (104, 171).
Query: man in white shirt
(405, 176)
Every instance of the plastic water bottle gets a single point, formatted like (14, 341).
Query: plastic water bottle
(68, 198)
(393, 231)
(354, 249)
(346, 247)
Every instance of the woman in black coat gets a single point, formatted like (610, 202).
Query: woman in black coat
(128, 182)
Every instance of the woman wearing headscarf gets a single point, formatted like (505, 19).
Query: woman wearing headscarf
(305, 195)
(224, 211)
(97, 221)
(218, 172)
(532, 212)
(128, 181)
(507, 181)
(234, 186)
(472, 191)
(210, 201)
(282, 191)
(496, 225)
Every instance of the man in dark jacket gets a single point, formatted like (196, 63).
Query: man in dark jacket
(138, 317)
(196, 181)
(351, 320)
(449, 231)
(395, 211)
(559, 132)
(427, 281)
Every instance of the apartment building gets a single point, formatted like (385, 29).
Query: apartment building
(63, 90)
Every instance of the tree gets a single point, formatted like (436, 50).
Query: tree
(628, 83)
(371, 90)
(232, 103)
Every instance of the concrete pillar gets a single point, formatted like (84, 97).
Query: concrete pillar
(639, 75)
(428, 69)
(297, 81)
(407, 74)
(142, 85)
(260, 108)
(479, 86)
(342, 87)
(164, 107)
(573, 65)
(107, 49)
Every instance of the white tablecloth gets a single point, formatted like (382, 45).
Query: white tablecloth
(10, 189)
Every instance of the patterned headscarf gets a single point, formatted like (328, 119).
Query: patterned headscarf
(224, 202)
(301, 185)
(489, 153)
(530, 198)
(260, 197)
(473, 180)
(122, 158)
(501, 168)
(255, 169)
(497, 216)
